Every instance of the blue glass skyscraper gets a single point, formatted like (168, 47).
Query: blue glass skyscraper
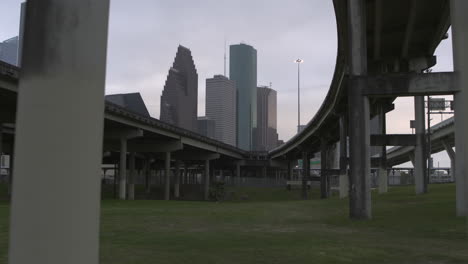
(243, 70)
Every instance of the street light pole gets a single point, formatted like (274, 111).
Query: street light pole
(298, 61)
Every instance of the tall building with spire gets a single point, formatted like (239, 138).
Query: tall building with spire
(243, 70)
(180, 94)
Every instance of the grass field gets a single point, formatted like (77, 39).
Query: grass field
(273, 226)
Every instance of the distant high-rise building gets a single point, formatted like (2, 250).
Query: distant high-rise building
(206, 126)
(221, 105)
(9, 51)
(243, 70)
(131, 101)
(180, 94)
(266, 136)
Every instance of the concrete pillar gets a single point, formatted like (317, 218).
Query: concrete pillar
(290, 170)
(61, 92)
(305, 173)
(177, 179)
(147, 172)
(1, 153)
(460, 65)
(238, 172)
(452, 156)
(358, 108)
(264, 172)
(131, 177)
(207, 180)
(420, 169)
(344, 181)
(382, 172)
(167, 175)
(324, 193)
(123, 169)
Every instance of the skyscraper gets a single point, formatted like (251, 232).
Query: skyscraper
(266, 136)
(221, 105)
(180, 94)
(9, 51)
(206, 126)
(243, 70)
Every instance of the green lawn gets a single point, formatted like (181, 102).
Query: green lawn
(273, 226)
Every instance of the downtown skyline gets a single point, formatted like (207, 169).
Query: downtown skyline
(138, 56)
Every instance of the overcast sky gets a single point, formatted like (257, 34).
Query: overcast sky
(144, 35)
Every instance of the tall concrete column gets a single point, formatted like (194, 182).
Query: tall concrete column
(177, 179)
(358, 108)
(323, 170)
(207, 180)
(382, 172)
(131, 177)
(238, 172)
(344, 181)
(420, 169)
(460, 64)
(452, 156)
(167, 175)
(123, 169)
(147, 172)
(305, 173)
(61, 91)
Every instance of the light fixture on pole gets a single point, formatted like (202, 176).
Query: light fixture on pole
(299, 61)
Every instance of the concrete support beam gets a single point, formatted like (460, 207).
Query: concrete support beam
(305, 173)
(393, 140)
(382, 172)
(452, 156)
(344, 181)
(460, 64)
(177, 179)
(147, 172)
(358, 108)
(123, 169)
(410, 84)
(207, 181)
(61, 91)
(238, 172)
(167, 175)
(420, 170)
(324, 181)
(290, 170)
(131, 177)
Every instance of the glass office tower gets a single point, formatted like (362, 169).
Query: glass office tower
(243, 70)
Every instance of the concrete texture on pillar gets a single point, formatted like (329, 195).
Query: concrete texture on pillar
(177, 179)
(238, 172)
(323, 170)
(452, 156)
(206, 188)
(167, 176)
(123, 169)
(460, 64)
(61, 91)
(420, 170)
(344, 181)
(382, 172)
(131, 177)
(358, 106)
(305, 173)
